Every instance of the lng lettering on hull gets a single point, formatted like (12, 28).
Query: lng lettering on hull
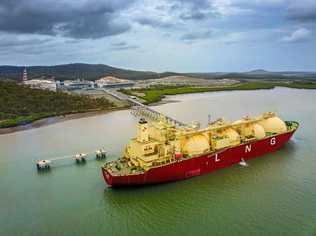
(186, 162)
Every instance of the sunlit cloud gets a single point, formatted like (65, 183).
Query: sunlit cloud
(298, 35)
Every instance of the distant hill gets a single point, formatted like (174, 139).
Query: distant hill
(75, 71)
(258, 72)
(95, 71)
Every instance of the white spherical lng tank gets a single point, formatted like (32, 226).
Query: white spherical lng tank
(259, 131)
(232, 135)
(273, 125)
(251, 129)
(196, 144)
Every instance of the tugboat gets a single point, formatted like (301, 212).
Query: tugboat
(162, 152)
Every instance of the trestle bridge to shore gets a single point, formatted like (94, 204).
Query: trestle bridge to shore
(139, 109)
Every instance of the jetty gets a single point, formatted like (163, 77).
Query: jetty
(78, 158)
(139, 109)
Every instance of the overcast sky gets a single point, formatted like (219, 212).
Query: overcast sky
(165, 35)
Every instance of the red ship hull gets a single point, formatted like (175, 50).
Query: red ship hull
(204, 164)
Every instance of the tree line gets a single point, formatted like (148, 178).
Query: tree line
(21, 104)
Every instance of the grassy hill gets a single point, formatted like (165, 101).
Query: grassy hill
(75, 71)
(21, 105)
(95, 71)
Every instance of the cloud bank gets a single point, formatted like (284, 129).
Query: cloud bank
(162, 35)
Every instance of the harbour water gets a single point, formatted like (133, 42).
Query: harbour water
(273, 195)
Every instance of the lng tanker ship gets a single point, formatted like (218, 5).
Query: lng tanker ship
(162, 152)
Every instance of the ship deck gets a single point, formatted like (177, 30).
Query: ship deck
(120, 167)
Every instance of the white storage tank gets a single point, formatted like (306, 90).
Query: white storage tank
(252, 129)
(195, 145)
(259, 131)
(232, 135)
(273, 125)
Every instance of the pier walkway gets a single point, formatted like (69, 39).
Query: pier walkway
(79, 158)
(140, 109)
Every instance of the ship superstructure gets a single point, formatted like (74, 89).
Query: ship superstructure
(162, 151)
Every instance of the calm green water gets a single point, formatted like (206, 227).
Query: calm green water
(274, 195)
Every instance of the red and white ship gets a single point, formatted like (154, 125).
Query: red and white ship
(162, 152)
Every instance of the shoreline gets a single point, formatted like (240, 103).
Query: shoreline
(57, 119)
(155, 96)
(163, 101)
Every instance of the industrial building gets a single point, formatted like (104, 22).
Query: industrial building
(113, 82)
(41, 84)
(75, 85)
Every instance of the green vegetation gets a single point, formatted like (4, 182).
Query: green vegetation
(298, 85)
(22, 105)
(156, 93)
(95, 71)
(73, 71)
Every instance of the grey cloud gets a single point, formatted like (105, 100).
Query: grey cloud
(30, 46)
(154, 22)
(119, 46)
(191, 10)
(77, 19)
(193, 4)
(94, 26)
(190, 37)
(193, 16)
(179, 11)
(11, 44)
(16, 42)
(302, 12)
